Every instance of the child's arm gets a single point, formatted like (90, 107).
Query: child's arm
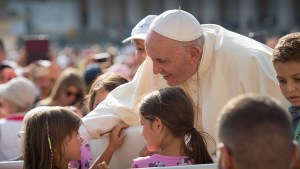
(102, 165)
(115, 141)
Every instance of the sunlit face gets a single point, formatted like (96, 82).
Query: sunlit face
(170, 59)
(288, 76)
(72, 146)
(69, 96)
(99, 97)
(43, 82)
(148, 133)
(140, 52)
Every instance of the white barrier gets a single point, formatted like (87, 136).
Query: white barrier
(122, 158)
(11, 164)
(199, 166)
(130, 149)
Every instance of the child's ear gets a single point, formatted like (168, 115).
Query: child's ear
(225, 159)
(158, 124)
(295, 156)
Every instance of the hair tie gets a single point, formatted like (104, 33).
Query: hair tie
(192, 130)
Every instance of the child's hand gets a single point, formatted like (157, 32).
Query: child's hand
(115, 141)
(102, 165)
(117, 136)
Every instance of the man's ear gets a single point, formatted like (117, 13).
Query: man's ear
(295, 161)
(195, 53)
(225, 161)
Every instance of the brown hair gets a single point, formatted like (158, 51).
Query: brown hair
(45, 131)
(2, 48)
(104, 82)
(252, 124)
(287, 48)
(174, 107)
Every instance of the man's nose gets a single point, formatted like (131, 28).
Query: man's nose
(156, 69)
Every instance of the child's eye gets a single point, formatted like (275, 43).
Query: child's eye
(281, 81)
(140, 49)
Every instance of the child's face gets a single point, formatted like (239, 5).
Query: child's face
(288, 76)
(140, 52)
(99, 97)
(149, 133)
(72, 145)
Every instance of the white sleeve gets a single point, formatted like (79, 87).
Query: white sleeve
(119, 106)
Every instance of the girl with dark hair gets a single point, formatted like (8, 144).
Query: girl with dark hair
(167, 117)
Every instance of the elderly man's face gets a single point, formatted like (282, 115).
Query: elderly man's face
(170, 59)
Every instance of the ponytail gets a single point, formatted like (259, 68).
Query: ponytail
(196, 147)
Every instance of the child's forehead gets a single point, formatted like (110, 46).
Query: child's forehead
(287, 68)
(141, 118)
(295, 63)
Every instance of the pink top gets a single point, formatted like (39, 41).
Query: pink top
(157, 160)
(86, 158)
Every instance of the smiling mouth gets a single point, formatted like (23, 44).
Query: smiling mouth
(293, 98)
(166, 76)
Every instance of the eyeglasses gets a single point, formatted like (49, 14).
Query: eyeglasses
(70, 93)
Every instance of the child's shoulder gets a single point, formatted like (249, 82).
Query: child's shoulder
(157, 160)
(140, 162)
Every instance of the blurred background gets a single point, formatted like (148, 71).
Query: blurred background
(83, 23)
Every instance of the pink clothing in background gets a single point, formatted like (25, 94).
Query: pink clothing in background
(157, 160)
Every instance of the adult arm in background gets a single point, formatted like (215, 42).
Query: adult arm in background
(120, 103)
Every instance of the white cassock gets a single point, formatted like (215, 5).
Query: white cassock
(231, 65)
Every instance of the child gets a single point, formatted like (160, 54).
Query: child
(286, 61)
(167, 117)
(100, 88)
(138, 36)
(52, 139)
